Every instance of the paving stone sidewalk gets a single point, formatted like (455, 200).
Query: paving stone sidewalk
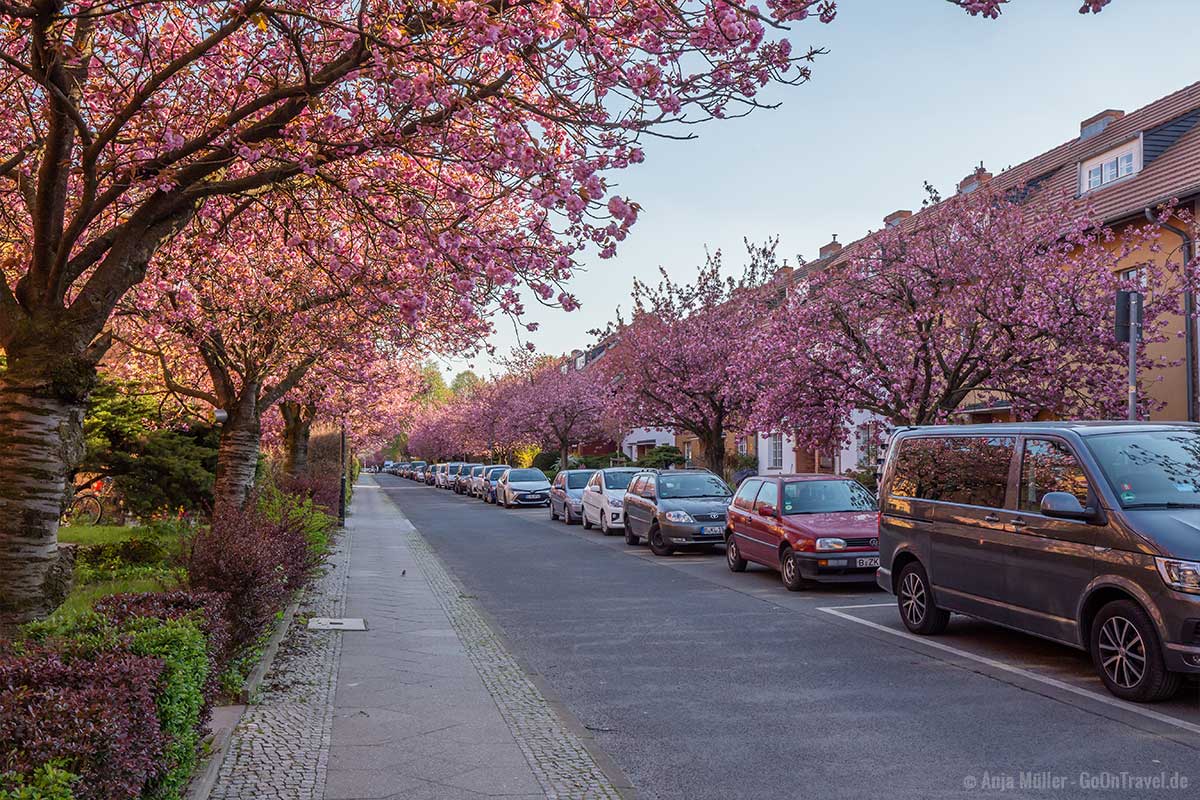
(427, 704)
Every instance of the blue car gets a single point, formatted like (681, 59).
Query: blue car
(566, 494)
(490, 478)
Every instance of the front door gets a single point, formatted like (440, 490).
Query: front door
(1050, 561)
(768, 532)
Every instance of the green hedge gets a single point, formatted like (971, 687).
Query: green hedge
(47, 782)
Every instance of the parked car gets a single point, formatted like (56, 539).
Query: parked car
(676, 508)
(415, 469)
(445, 473)
(491, 478)
(523, 487)
(473, 478)
(462, 480)
(1084, 533)
(566, 494)
(431, 474)
(809, 527)
(604, 499)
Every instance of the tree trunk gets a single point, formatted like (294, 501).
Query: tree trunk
(297, 426)
(714, 451)
(237, 452)
(43, 397)
(564, 456)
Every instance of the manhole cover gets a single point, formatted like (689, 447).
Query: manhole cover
(337, 624)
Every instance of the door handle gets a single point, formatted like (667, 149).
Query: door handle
(1018, 523)
(992, 518)
(1100, 548)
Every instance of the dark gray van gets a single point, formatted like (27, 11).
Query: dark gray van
(1087, 533)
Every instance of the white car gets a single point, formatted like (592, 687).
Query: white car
(602, 506)
(523, 487)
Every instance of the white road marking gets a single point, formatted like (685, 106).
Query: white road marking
(1133, 708)
(864, 605)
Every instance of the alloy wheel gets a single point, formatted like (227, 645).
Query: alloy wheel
(731, 552)
(789, 570)
(1122, 652)
(912, 599)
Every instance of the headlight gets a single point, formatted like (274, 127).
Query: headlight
(1182, 576)
(678, 516)
(615, 502)
(831, 544)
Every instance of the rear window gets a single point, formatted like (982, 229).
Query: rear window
(969, 470)
(494, 472)
(618, 480)
(578, 480)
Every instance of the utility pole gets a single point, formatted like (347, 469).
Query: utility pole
(342, 482)
(1129, 329)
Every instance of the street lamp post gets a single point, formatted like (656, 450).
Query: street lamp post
(342, 482)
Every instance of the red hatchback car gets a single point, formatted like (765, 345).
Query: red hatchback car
(809, 527)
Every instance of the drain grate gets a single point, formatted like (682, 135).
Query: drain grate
(337, 624)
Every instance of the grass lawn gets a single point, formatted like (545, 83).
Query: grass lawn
(85, 594)
(98, 534)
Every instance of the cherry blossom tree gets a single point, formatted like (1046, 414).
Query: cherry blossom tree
(128, 119)
(668, 368)
(977, 297)
(559, 408)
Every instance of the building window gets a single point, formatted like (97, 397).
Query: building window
(1110, 167)
(775, 452)
(743, 446)
(687, 452)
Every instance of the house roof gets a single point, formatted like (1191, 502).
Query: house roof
(1170, 132)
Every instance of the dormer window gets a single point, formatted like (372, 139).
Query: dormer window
(1109, 167)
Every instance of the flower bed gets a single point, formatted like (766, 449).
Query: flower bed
(109, 702)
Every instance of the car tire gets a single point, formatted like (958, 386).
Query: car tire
(567, 520)
(631, 538)
(587, 523)
(789, 571)
(733, 556)
(1128, 654)
(553, 513)
(915, 601)
(658, 545)
(604, 529)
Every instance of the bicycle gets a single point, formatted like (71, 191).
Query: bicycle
(85, 507)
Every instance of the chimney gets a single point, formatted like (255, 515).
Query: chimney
(895, 218)
(783, 274)
(831, 248)
(1094, 125)
(973, 181)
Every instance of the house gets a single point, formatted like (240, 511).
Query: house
(1123, 165)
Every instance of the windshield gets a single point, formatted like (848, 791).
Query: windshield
(618, 480)
(495, 472)
(1151, 468)
(694, 484)
(522, 475)
(825, 497)
(578, 480)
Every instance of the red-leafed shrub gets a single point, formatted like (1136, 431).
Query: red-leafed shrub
(321, 489)
(210, 609)
(258, 562)
(94, 716)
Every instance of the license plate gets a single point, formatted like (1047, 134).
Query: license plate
(711, 530)
(867, 562)
(534, 497)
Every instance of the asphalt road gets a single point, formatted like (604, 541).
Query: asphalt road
(701, 683)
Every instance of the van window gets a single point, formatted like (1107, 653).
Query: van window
(769, 496)
(744, 499)
(970, 470)
(1048, 465)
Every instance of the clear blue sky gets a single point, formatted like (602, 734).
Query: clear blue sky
(910, 91)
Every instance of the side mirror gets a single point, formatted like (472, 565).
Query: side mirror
(594, 488)
(767, 510)
(1064, 505)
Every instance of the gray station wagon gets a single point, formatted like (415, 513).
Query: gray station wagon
(1087, 533)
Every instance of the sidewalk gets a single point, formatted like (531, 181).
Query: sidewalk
(426, 704)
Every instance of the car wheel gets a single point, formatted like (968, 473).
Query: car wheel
(587, 523)
(1128, 654)
(604, 529)
(658, 545)
(631, 538)
(553, 513)
(567, 515)
(733, 556)
(917, 611)
(789, 571)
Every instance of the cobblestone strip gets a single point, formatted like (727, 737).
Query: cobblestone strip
(563, 766)
(280, 749)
